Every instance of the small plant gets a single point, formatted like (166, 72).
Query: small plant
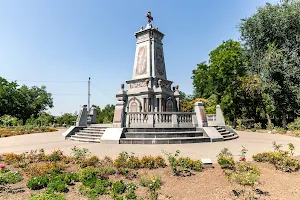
(148, 162)
(37, 183)
(92, 161)
(159, 162)
(133, 162)
(118, 188)
(225, 159)
(173, 161)
(243, 154)
(80, 154)
(291, 148)
(121, 160)
(276, 147)
(244, 174)
(88, 176)
(47, 196)
(56, 155)
(9, 177)
(106, 171)
(12, 158)
(153, 184)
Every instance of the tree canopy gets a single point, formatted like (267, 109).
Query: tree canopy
(23, 101)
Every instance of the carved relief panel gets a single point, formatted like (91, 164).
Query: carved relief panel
(160, 62)
(141, 63)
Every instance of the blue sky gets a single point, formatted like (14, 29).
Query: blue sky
(60, 43)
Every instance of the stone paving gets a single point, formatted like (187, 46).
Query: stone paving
(255, 142)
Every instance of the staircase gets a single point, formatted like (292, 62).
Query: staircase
(162, 136)
(227, 135)
(92, 133)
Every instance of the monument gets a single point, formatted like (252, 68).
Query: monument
(148, 111)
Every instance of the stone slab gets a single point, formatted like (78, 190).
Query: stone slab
(207, 163)
(213, 134)
(112, 136)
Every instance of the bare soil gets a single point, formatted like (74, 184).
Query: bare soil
(211, 184)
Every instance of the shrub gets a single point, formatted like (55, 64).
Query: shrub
(159, 162)
(152, 184)
(244, 174)
(121, 160)
(9, 177)
(133, 162)
(106, 162)
(47, 196)
(225, 159)
(80, 154)
(88, 176)
(56, 155)
(36, 183)
(118, 187)
(92, 161)
(104, 171)
(58, 186)
(294, 126)
(43, 169)
(288, 165)
(12, 158)
(131, 195)
(148, 162)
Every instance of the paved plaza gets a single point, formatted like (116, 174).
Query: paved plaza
(255, 142)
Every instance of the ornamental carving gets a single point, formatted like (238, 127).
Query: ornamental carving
(141, 63)
(160, 63)
(138, 84)
(142, 37)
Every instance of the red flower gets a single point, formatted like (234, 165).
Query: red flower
(26, 152)
(244, 159)
(224, 170)
(2, 166)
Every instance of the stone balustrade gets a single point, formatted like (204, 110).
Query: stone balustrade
(161, 119)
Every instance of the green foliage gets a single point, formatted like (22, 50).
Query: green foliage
(282, 160)
(66, 119)
(181, 166)
(9, 177)
(37, 183)
(294, 126)
(80, 154)
(47, 196)
(105, 115)
(22, 102)
(222, 77)
(56, 155)
(118, 187)
(88, 176)
(153, 184)
(225, 159)
(271, 37)
(244, 174)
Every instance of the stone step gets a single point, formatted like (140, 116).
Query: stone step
(228, 135)
(163, 134)
(180, 140)
(134, 130)
(85, 139)
(90, 131)
(221, 130)
(89, 134)
(231, 138)
(95, 129)
(86, 136)
(224, 133)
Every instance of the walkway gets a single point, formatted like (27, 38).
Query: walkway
(253, 141)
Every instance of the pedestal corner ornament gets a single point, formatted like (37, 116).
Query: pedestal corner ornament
(141, 63)
(160, 63)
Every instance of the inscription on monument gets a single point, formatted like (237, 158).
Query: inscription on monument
(138, 84)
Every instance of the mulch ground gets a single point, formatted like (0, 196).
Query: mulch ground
(211, 184)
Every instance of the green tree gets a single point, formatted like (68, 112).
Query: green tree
(22, 102)
(105, 115)
(272, 38)
(222, 77)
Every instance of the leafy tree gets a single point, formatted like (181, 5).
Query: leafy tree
(222, 77)
(272, 38)
(66, 118)
(22, 102)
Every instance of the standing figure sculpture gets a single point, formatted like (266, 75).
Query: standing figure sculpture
(150, 18)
